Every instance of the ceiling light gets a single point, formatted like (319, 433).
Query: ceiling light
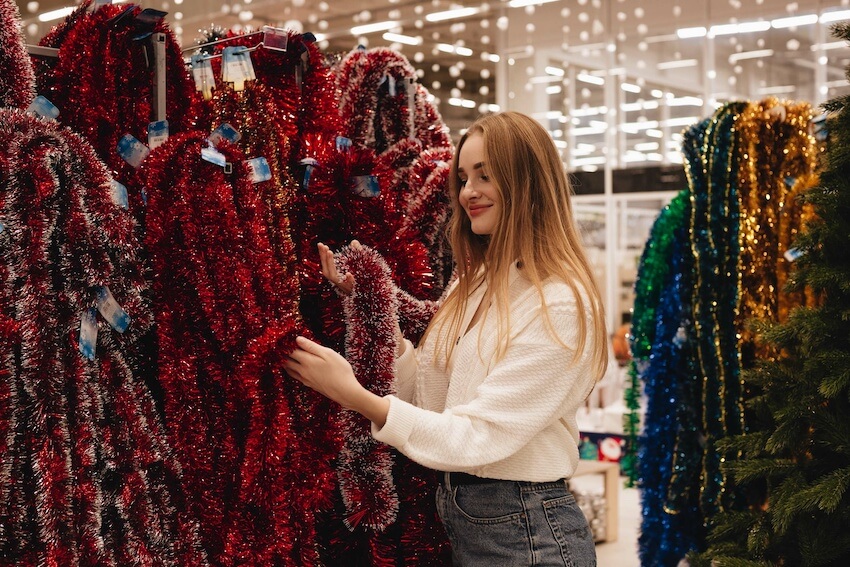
(793, 21)
(544, 79)
(784, 89)
(464, 102)
(557, 71)
(835, 16)
(646, 146)
(743, 27)
(686, 33)
(677, 64)
(524, 3)
(585, 78)
(451, 14)
(553, 89)
(55, 14)
(828, 46)
(757, 54)
(400, 38)
(684, 101)
(630, 88)
(372, 28)
(685, 121)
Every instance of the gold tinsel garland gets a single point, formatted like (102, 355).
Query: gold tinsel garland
(778, 159)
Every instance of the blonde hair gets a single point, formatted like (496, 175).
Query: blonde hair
(535, 227)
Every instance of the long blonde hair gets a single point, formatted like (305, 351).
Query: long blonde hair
(535, 227)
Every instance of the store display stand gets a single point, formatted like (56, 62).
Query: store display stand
(610, 491)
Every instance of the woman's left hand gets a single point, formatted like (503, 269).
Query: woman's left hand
(327, 372)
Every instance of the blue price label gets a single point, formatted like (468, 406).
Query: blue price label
(132, 150)
(118, 192)
(111, 310)
(259, 169)
(42, 107)
(365, 186)
(88, 333)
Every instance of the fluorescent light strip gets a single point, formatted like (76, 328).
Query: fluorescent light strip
(556, 71)
(757, 54)
(56, 14)
(646, 146)
(783, 89)
(587, 131)
(376, 27)
(830, 45)
(793, 21)
(835, 16)
(544, 79)
(464, 102)
(593, 80)
(524, 3)
(630, 88)
(400, 38)
(678, 64)
(836, 84)
(684, 101)
(686, 33)
(686, 121)
(743, 27)
(456, 49)
(590, 111)
(451, 14)
(553, 89)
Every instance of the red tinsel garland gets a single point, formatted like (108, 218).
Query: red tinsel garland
(17, 81)
(102, 81)
(256, 457)
(372, 310)
(87, 475)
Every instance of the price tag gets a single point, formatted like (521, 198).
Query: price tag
(792, 254)
(203, 74)
(118, 193)
(343, 144)
(365, 186)
(224, 132)
(275, 38)
(236, 67)
(157, 133)
(213, 156)
(88, 333)
(259, 169)
(132, 150)
(111, 310)
(309, 164)
(43, 108)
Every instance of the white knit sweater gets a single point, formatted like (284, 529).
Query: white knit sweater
(514, 419)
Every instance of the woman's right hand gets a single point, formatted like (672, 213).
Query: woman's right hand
(345, 284)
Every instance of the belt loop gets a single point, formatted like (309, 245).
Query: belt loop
(447, 480)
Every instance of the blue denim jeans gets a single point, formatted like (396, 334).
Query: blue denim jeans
(513, 524)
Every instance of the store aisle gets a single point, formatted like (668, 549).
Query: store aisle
(623, 552)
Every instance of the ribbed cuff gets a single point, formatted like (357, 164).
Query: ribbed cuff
(399, 425)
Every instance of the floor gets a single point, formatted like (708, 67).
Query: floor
(624, 551)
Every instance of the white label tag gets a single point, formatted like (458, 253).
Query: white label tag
(42, 107)
(203, 74)
(213, 156)
(88, 333)
(365, 186)
(236, 67)
(309, 164)
(111, 310)
(132, 150)
(275, 38)
(792, 254)
(224, 132)
(157, 133)
(343, 144)
(118, 193)
(259, 169)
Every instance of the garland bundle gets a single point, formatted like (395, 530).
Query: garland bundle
(102, 82)
(16, 75)
(255, 449)
(87, 477)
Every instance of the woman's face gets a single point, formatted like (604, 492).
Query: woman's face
(478, 196)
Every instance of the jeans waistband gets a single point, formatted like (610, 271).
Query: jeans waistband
(460, 479)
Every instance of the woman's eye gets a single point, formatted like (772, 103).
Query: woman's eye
(463, 182)
(484, 178)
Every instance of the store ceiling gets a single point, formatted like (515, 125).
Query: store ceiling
(637, 37)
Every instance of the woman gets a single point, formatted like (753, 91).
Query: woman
(490, 394)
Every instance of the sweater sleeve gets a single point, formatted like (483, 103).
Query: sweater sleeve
(531, 388)
(405, 373)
